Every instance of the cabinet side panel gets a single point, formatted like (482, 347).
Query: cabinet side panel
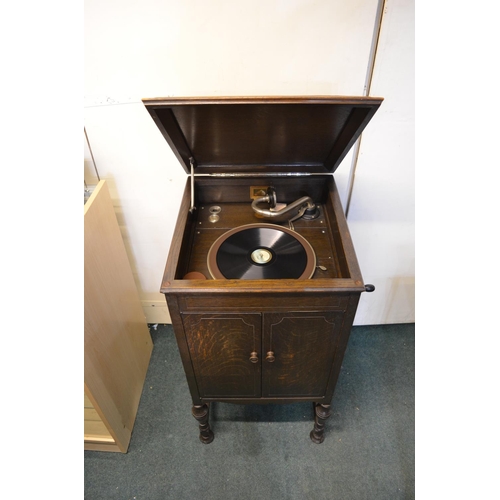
(117, 341)
(344, 339)
(180, 246)
(348, 262)
(173, 307)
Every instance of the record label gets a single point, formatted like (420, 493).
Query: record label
(261, 251)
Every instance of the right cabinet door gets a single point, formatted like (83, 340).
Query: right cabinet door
(298, 351)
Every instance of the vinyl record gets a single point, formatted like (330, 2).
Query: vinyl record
(261, 251)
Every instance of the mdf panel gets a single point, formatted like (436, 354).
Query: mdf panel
(95, 430)
(117, 341)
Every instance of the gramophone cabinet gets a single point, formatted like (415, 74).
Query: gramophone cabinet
(272, 339)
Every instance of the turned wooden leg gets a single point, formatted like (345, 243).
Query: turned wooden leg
(321, 413)
(201, 413)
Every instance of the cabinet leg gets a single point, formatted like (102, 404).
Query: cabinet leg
(201, 413)
(321, 413)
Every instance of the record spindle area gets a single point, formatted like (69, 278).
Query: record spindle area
(261, 251)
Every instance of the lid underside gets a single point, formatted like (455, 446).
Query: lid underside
(274, 134)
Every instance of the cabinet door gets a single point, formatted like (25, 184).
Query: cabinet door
(221, 346)
(303, 346)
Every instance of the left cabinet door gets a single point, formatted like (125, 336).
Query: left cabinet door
(221, 346)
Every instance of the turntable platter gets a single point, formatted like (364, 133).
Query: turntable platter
(261, 251)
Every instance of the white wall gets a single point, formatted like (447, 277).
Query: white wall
(382, 211)
(191, 47)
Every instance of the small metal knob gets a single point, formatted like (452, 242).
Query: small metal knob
(369, 288)
(270, 357)
(254, 357)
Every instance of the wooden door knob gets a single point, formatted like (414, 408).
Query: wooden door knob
(254, 357)
(270, 357)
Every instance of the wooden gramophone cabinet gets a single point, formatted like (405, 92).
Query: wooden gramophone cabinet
(260, 341)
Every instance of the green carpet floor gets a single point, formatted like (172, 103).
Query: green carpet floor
(264, 451)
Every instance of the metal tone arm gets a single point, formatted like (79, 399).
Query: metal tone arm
(303, 207)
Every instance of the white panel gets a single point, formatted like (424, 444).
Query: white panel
(163, 48)
(382, 212)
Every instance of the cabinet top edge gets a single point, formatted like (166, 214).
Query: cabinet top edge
(286, 286)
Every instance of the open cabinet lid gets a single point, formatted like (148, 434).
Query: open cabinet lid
(262, 134)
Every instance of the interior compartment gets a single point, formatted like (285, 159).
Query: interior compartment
(232, 197)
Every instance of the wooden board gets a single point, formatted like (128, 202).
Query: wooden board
(117, 341)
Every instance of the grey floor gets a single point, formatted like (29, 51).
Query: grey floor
(264, 452)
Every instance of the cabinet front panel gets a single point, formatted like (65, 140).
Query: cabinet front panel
(265, 302)
(303, 346)
(221, 346)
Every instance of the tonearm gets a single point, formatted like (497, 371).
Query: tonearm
(303, 207)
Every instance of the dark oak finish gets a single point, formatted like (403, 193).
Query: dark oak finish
(321, 413)
(201, 413)
(303, 347)
(261, 341)
(221, 347)
(262, 134)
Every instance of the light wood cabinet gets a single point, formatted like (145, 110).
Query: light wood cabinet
(118, 345)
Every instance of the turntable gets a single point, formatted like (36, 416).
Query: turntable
(261, 251)
(262, 281)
